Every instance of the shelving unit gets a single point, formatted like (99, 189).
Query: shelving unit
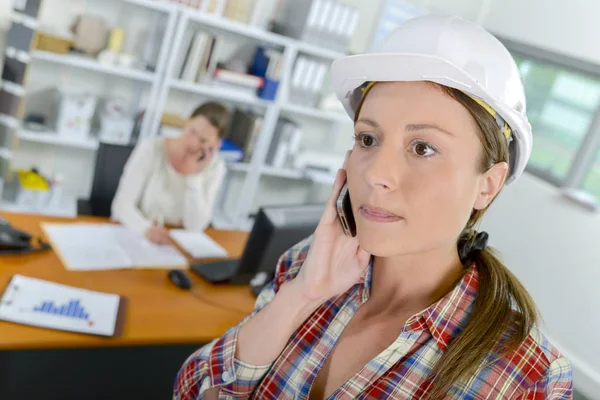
(256, 169)
(163, 80)
(147, 81)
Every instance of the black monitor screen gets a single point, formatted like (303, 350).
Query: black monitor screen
(275, 230)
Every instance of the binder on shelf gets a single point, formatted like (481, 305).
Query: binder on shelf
(285, 142)
(253, 137)
(326, 23)
(242, 129)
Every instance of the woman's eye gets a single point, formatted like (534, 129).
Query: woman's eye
(423, 149)
(366, 140)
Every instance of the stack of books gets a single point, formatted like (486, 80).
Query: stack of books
(200, 58)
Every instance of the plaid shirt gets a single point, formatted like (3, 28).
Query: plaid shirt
(536, 370)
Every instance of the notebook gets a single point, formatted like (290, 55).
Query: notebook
(86, 247)
(46, 304)
(198, 244)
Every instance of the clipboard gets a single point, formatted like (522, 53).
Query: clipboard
(49, 305)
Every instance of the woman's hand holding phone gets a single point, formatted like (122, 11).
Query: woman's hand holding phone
(335, 261)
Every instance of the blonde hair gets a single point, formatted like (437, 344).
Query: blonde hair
(503, 312)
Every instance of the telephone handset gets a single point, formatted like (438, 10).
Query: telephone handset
(344, 210)
(14, 241)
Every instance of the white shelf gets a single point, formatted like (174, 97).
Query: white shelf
(311, 112)
(57, 140)
(317, 51)
(91, 64)
(219, 92)
(268, 170)
(153, 5)
(66, 208)
(9, 121)
(224, 24)
(238, 167)
(282, 172)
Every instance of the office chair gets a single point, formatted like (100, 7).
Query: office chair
(110, 161)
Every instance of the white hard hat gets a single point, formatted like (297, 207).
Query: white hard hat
(451, 52)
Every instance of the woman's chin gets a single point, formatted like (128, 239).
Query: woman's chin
(378, 245)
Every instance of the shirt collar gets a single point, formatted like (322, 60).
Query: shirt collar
(447, 317)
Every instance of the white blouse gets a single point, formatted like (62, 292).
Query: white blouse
(152, 191)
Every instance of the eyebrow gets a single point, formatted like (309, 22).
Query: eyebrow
(368, 121)
(409, 127)
(423, 127)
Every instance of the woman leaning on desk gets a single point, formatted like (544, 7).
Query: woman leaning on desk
(415, 306)
(174, 180)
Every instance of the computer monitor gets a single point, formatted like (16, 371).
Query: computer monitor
(275, 230)
(110, 162)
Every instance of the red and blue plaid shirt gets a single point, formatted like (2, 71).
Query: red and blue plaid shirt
(536, 370)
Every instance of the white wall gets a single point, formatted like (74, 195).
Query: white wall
(569, 27)
(550, 243)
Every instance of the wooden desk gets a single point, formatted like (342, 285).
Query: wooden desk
(158, 312)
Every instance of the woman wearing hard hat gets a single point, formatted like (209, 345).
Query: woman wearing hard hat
(415, 306)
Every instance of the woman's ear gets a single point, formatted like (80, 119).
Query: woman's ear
(490, 184)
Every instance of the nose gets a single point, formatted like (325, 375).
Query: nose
(382, 171)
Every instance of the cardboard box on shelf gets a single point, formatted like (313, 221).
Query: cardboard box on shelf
(52, 43)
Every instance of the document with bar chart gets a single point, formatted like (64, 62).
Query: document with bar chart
(46, 304)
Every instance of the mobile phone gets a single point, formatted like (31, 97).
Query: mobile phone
(344, 210)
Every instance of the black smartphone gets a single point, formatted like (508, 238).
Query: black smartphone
(344, 210)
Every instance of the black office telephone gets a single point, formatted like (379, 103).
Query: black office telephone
(14, 241)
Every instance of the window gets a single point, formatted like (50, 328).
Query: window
(591, 183)
(563, 106)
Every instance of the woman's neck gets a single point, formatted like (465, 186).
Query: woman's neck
(415, 281)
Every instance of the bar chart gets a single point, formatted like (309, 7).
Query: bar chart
(72, 309)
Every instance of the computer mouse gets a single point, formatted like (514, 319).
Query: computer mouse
(180, 279)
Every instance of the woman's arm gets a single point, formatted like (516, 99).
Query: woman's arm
(131, 185)
(229, 364)
(200, 195)
(326, 265)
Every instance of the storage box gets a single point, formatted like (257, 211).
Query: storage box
(48, 42)
(74, 114)
(116, 130)
(66, 113)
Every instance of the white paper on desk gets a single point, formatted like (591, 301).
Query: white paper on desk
(143, 253)
(47, 304)
(198, 244)
(88, 246)
(106, 246)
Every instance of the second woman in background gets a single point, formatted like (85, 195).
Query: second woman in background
(174, 181)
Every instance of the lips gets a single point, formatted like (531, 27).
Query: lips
(378, 214)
